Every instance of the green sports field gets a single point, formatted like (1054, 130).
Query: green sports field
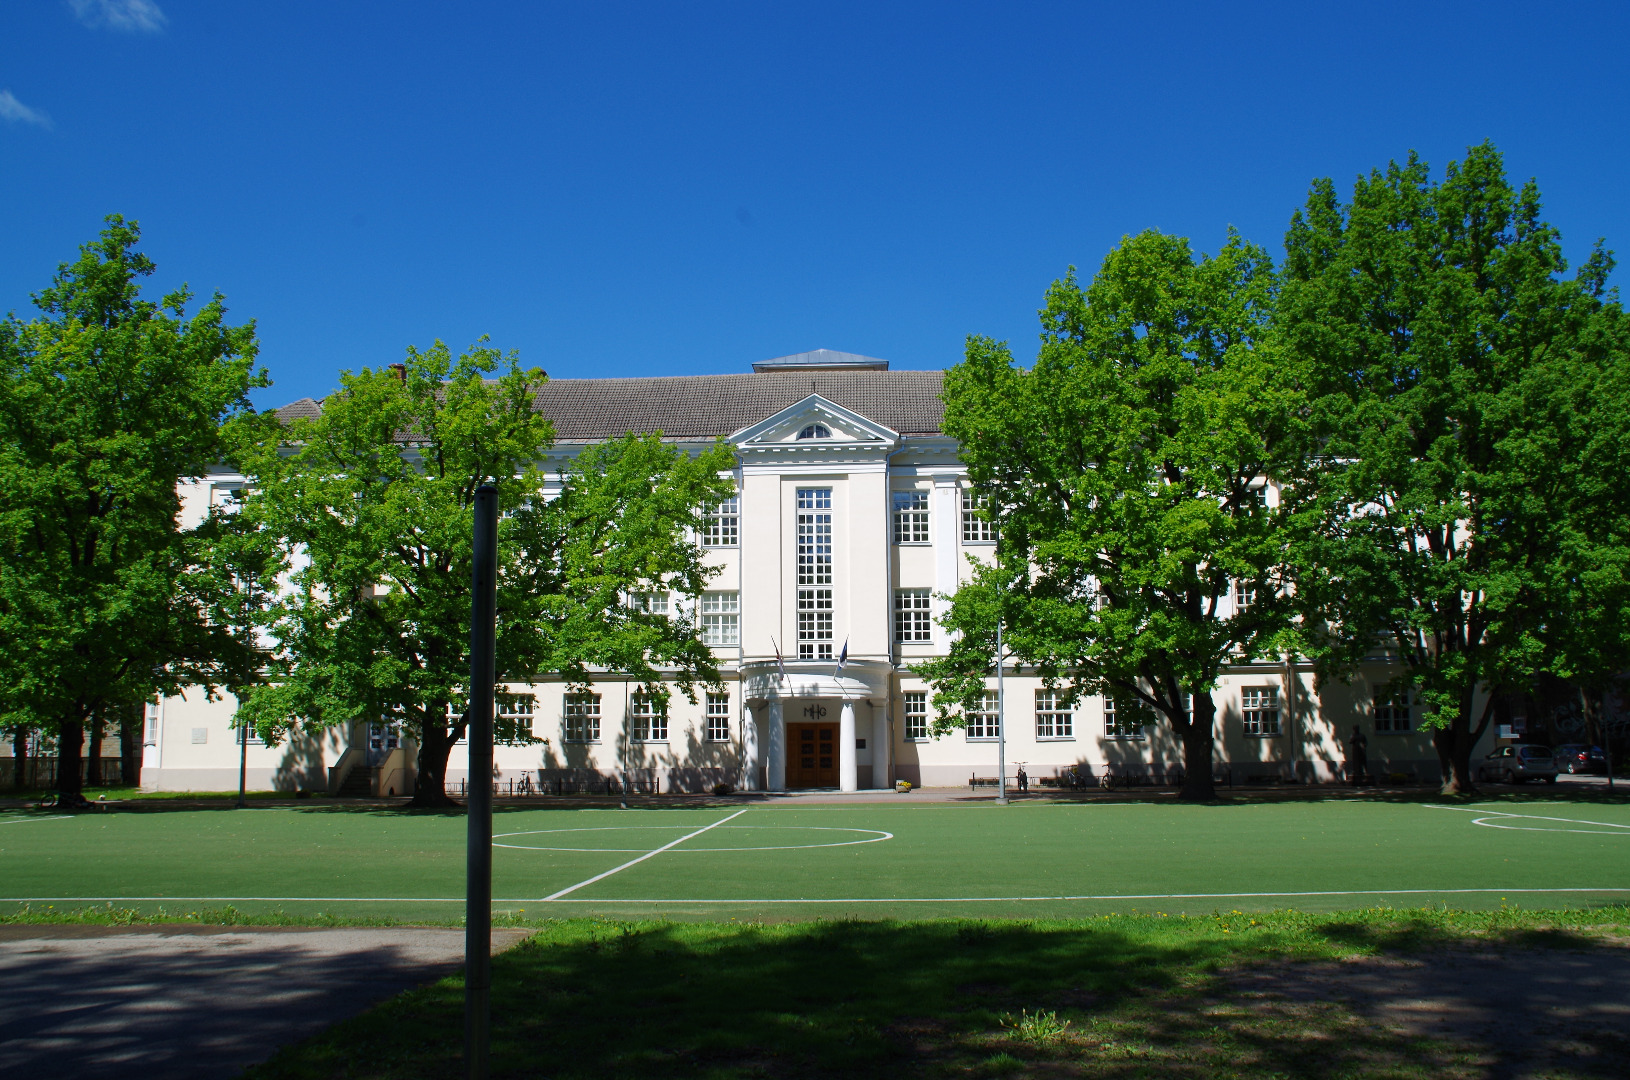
(897, 860)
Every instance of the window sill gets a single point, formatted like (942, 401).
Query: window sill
(1262, 735)
(917, 739)
(914, 543)
(978, 543)
(1055, 738)
(984, 738)
(1126, 738)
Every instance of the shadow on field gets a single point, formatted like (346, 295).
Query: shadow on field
(1117, 997)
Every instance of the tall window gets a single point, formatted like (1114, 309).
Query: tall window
(916, 716)
(911, 517)
(1122, 720)
(815, 573)
(1392, 713)
(718, 718)
(911, 616)
(515, 719)
(723, 528)
(150, 734)
(650, 723)
(975, 528)
(652, 603)
(721, 618)
(1053, 719)
(986, 723)
(582, 717)
(1259, 706)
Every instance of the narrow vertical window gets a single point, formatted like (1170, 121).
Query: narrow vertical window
(916, 716)
(911, 517)
(1053, 717)
(718, 718)
(582, 714)
(815, 573)
(976, 528)
(1259, 708)
(913, 621)
(721, 618)
(723, 528)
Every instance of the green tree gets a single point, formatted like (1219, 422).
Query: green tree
(1125, 473)
(372, 500)
(1442, 343)
(107, 401)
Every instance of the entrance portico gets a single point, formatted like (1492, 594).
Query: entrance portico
(809, 714)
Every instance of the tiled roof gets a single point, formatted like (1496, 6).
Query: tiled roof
(708, 406)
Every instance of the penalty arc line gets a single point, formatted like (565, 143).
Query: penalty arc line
(649, 854)
(1529, 817)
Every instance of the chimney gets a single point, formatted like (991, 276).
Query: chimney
(401, 371)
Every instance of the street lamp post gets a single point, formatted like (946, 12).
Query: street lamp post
(478, 809)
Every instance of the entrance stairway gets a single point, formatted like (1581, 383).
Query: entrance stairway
(358, 784)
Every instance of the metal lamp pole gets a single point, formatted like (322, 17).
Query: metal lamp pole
(1001, 722)
(478, 843)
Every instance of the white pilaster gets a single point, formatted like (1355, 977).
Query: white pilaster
(776, 736)
(882, 746)
(848, 779)
(751, 760)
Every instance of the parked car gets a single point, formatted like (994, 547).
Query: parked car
(1578, 758)
(1514, 764)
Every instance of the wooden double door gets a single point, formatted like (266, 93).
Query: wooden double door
(812, 755)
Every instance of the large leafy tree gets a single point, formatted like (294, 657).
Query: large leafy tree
(1444, 344)
(1125, 472)
(372, 501)
(107, 400)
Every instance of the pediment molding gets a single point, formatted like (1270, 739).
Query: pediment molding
(850, 431)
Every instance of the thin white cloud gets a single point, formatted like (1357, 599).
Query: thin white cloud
(16, 112)
(130, 16)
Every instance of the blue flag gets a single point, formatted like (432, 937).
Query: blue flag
(843, 658)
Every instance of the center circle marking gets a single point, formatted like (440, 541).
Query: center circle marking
(870, 836)
(1605, 828)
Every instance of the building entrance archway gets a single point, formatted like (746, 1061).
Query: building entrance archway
(812, 755)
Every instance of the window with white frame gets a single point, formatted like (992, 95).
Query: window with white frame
(913, 622)
(1392, 713)
(976, 528)
(150, 727)
(1123, 719)
(986, 721)
(1259, 708)
(1244, 595)
(651, 603)
(721, 618)
(815, 431)
(911, 517)
(916, 716)
(648, 722)
(582, 715)
(815, 573)
(1053, 717)
(723, 528)
(718, 718)
(515, 718)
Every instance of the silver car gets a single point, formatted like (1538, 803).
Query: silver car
(1514, 764)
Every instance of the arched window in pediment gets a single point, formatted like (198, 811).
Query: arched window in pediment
(815, 431)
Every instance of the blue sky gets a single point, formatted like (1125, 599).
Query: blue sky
(683, 188)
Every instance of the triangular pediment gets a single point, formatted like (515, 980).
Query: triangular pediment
(814, 423)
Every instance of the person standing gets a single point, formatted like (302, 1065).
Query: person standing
(1357, 756)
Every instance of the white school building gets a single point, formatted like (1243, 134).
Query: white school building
(852, 518)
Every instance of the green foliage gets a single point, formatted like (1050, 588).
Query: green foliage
(369, 508)
(1448, 358)
(106, 402)
(1124, 470)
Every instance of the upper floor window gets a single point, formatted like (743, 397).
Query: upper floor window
(916, 716)
(976, 528)
(721, 618)
(1392, 713)
(651, 603)
(911, 517)
(912, 616)
(1053, 717)
(815, 431)
(986, 722)
(1259, 707)
(1244, 595)
(723, 528)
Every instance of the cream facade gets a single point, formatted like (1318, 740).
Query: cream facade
(831, 563)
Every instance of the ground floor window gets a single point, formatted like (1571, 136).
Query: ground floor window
(582, 713)
(650, 723)
(1053, 719)
(718, 718)
(1123, 719)
(1392, 713)
(1259, 707)
(916, 716)
(986, 721)
(514, 720)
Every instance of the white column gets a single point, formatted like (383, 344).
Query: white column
(847, 779)
(751, 760)
(776, 736)
(882, 746)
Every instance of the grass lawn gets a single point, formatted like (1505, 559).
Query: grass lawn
(1114, 996)
(761, 861)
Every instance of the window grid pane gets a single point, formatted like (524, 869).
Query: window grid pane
(1392, 713)
(916, 715)
(721, 618)
(814, 568)
(975, 529)
(1123, 721)
(718, 718)
(1053, 720)
(723, 527)
(913, 620)
(911, 517)
(582, 717)
(1259, 707)
(649, 725)
(986, 722)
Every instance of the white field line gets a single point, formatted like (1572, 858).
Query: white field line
(25, 820)
(810, 900)
(1532, 817)
(642, 858)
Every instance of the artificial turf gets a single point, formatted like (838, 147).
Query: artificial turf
(902, 860)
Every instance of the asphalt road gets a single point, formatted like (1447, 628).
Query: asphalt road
(190, 1003)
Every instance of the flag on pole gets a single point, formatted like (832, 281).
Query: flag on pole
(843, 658)
(780, 667)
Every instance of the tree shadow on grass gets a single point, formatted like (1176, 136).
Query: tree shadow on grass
(600, 999)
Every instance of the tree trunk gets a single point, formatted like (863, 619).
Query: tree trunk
(130, 742)
(1455, 742)
(1199, 742)
(430, 788)
(1591, 706)
(93, 751)
(19, 757)
(70, 755)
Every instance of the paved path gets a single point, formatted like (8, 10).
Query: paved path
(195, 1003)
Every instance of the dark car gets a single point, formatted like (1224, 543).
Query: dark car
(1514, 764)
(1580, 758)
